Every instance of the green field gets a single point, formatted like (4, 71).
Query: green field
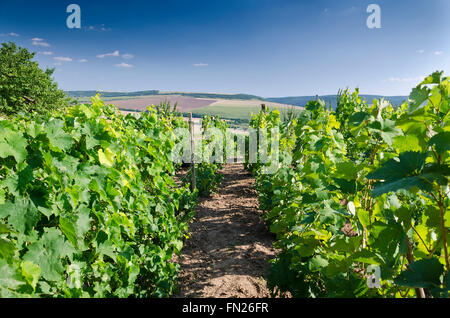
(238, 115)
(238, 111)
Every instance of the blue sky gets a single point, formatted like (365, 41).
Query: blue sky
(265, 47)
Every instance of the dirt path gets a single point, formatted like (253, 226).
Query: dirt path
(228, 252)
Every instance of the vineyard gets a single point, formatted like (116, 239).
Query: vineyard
(362, 186)
(90, 205)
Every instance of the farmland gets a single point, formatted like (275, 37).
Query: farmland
(238, 111)
(100, 202)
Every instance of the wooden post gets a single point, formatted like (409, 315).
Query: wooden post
(263, 107)
(191, 133)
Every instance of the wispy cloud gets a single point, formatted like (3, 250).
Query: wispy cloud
(420, 51)
(200, 64)
(58, 64)
(39, 42)
(438, 52)
(63, 58)
(115, 53)
(123, 65)
(344, 11)
(405, 79)
(82, 61)
(101, 28)
(45, 53)
(9, 34)
(127, 56)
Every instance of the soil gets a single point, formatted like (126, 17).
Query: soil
(229, 248)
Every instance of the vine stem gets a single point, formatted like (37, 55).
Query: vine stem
(420, 292)
(443, 229)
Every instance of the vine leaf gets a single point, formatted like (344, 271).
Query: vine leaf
(48, 252)
(417, 97)
(424, 273)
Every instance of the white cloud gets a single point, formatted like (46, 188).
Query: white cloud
(127, 56)
(82, 61)
(9, 34)
(40, 43)
(46, 53)
(115, 53)
(405, 79)
(98, 28)
(63, 59)
(438, 52)
(420, 51)
(37, 39)
(123, 65)
(200, 64)
(58, 64)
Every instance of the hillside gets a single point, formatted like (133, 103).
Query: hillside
(235, 107)
(84, 94)
(303, 100)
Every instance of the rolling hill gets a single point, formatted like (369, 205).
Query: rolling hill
(235, 107)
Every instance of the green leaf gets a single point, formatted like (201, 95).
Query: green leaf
(435, 78)
(441, 142)
(366, 257)
(403, 173)
(424, 273)
(317, 263)
(31, 272)
(346, 244)
(106, 158)
(363, 217)
(7, 248)
(386, 128)
(358, 118)
(9, 277)
(409, 143)
(306, 246)
(2, 196)
(13, 144)
(75, 226)
(417, 97)
(48, 253)
(347, 171)
(59, 139)
(404, 216)
(23, 215)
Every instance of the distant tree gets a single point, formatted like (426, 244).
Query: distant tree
(24, 87)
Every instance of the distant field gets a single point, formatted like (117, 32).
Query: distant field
(185, 103)
(239, 109)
